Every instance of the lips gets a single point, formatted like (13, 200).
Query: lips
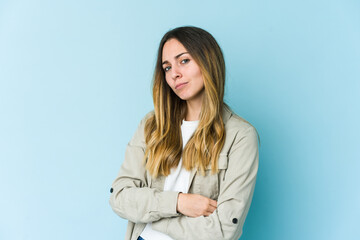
(180, 85)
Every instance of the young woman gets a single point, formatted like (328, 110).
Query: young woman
(190, 169)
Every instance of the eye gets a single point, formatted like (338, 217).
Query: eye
(167, 68)
(185, 60)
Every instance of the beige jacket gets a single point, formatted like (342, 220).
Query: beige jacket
(138, 197)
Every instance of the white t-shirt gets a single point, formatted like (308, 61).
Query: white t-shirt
(177, 180)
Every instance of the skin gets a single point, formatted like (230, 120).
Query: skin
(195, 205)
(180, 68)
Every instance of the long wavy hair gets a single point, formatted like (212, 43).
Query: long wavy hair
(163, 129)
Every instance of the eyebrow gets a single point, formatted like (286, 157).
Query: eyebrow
(176, 57)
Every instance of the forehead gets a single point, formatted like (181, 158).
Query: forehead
(172, 47)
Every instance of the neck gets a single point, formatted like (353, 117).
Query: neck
(193, 109)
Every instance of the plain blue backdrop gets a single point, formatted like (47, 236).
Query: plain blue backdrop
(75, 80)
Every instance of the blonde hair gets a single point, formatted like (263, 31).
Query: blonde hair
(163, 129)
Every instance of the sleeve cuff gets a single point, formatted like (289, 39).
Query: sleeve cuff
(168, 203)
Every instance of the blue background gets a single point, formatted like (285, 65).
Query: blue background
(75, 81)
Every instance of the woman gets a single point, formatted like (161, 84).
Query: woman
(190, 169)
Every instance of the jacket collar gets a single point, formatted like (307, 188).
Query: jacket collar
(226, 113)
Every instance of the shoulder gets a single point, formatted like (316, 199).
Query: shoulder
(139, 135)
(237, 128)
(233, 122)
(147, 116)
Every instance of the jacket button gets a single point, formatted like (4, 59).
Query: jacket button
(111, 190)
(234, 220)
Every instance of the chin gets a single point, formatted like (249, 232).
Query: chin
(185, 98)
(182, 96)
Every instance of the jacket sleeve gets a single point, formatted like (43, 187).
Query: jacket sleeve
(131, 198)
(235, 195)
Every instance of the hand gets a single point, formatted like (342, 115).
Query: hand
(195, 205)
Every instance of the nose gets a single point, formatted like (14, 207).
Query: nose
(175, 73)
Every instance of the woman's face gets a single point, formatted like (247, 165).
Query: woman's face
(182, 73)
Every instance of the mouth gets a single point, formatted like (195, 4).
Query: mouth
(180, 85)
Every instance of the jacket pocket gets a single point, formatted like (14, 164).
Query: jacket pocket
(208, 185)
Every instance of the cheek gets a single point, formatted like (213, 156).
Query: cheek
(198, 75)
(168, 81)
(200, 79)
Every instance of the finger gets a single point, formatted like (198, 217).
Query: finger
(213, 203)
(208, 213)
(211, 209)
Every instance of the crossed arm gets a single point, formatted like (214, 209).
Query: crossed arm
(189, 216)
